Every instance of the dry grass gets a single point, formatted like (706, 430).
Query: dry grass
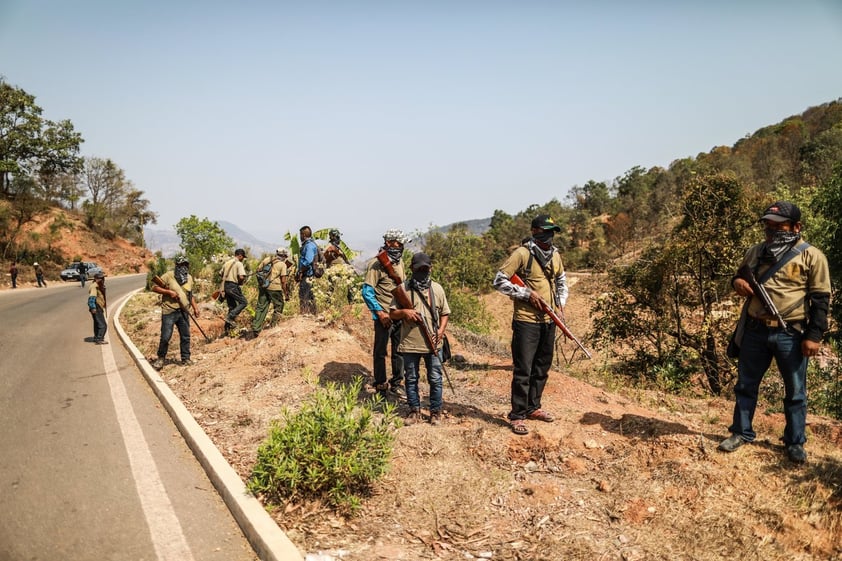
(618, 476)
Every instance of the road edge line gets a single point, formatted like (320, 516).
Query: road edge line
(263, 533)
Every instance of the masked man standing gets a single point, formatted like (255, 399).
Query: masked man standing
(377, 295)
(538, 263)
(176, 297)
(798, 283)
(233, 277)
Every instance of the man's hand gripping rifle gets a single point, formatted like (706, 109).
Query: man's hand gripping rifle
(182, 303)
(747, 275)
(405, 303)
(516, 280)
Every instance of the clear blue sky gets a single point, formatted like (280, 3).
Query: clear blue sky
(367, 115)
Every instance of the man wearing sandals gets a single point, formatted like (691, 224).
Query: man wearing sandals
(538, 263)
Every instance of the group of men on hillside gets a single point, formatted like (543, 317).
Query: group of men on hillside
(410, 314)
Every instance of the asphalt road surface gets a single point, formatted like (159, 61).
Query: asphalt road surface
(91, 465)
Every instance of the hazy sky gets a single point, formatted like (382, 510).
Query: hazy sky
(367, 115)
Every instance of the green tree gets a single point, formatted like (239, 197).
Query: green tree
(30, 144)
(826, 233)
(201, 239)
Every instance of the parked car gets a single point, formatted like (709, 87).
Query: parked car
(71, 272)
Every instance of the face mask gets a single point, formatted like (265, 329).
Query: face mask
(545, 237)
(421, 279)
(181, 273)
(395, 253)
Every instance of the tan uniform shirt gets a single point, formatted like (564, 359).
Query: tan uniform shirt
(788, 288)
(95, 291)
(279, 269)
(233, 270)
(377, 278)
(537, 280)
(412, 340)
(170, 304)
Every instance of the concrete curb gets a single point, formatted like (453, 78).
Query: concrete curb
(268, 540)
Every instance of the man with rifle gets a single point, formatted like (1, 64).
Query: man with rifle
(420, 305)
(544, 286)
(383, 274)
(176, 290)
(786, 283)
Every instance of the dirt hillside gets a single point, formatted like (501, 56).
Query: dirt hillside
(621, 475)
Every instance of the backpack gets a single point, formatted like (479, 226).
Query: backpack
(263, 274)
(318, 262)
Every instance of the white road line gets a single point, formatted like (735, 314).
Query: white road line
(164, 527)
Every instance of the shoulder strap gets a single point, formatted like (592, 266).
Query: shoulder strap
(431, 306)
(770, 272)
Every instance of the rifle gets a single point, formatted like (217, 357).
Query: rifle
(747, 275)
(184, 311)
(516, 280)
(405, 303)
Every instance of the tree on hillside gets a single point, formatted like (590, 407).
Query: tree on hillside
(30, 144)
(826, 233)
(668, 306)
(202, 239)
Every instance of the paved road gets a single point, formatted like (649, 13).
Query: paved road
(91, 465)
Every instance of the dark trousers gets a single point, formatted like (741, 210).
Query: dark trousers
(168, 321)
(40, 279)
(264, 298)
(236, 301)
(532, 355)
(100, 325)
(382, 336)
(82, 278)
(305, 296)
(14, 280)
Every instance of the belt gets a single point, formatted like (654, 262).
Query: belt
(757, 323)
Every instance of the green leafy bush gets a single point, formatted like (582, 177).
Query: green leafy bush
(333, 448)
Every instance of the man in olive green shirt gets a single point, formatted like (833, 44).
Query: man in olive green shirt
(176, 298)
(271, 289)
(800, 291)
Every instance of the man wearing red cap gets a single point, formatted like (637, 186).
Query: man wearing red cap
(539, 264)
(797, 279)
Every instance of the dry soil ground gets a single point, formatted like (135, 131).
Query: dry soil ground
(620, 475)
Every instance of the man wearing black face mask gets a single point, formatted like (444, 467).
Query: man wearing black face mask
(800, 290)
(377, 295)
(176, 296)
(539, 264)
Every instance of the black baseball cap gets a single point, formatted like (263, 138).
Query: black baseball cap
(545, 222)
(420, 260)
(782, 211)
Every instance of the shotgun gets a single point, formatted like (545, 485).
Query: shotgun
(747, 274)
(405, 303)
(516, 280)
(184, 311)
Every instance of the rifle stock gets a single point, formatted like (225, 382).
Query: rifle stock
(516, 280)
(184, 311)
(747, 275)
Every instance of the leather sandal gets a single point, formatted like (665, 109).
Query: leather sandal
(541, 415)
(519, 427)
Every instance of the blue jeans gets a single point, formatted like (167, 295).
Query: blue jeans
(179, 320)
(760, 345)
(411, 364)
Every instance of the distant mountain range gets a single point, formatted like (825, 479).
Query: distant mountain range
(168, 242)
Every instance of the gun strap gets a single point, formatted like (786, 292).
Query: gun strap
(431, 306)
(793, 251)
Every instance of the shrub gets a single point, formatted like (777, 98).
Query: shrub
(332, 449)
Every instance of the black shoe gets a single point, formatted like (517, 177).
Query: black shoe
(435, 418)
(101, 342)
(796, 453)
(731, 443)
(397, 390)
(249, 335)
(158, 363)
(186, 362)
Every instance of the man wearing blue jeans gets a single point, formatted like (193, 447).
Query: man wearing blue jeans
(176, 302)
(431, 311)
(800, 291)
